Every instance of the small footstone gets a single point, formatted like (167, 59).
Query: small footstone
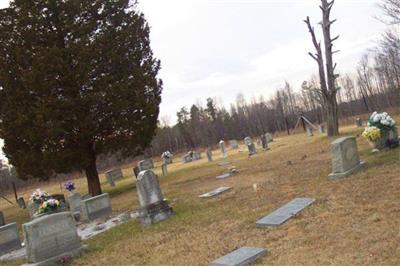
(224, 164)
(240, 257)
(224, 176)
(214, 192)
(285, 212)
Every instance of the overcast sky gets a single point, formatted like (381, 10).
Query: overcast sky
(218, 48)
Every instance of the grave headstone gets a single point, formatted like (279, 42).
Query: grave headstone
(145, 164)
(51, 237)
(387, 136)
(321, 128)
(234, 144)
(95, 207)
(74, 202)
(153, 206)
(61, 199)
(310, 132)
(345, 158)
(9, 239)
(214, 192)
(223, 149)
(223, 176)
(2, 221)
(250, 145)
(196, 156)
(187, 158)
(167, 157)
(32, 208)
(264, 141)
(358, 122)
(240, 257)
(269, 137)
(209, 154)
(164, 169)
(21, 202)
(113, 175)
(285, 212)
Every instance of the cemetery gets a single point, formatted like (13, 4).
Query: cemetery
(305, 205)
(199, 133)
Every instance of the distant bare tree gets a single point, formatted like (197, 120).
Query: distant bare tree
(392, 10)
(327, 74)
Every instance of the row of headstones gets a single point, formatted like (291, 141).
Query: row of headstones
(54, 236)
(116, 174)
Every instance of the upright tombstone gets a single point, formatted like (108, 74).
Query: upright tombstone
(196, 156)
(310, 132)
(321, 129)
(269, 137)
(2, 221)
(250, 145)
(21, 202)
(9, 239)
(264, 141)
(345, 159)
(358, 122)
(153, 206)
(187, 158)
(95, 207)
(223, 149)
(33, 207)
(209, 154)
(74, 202)
(234, 144)
(145, 164)
(51, 237)
(113, 175)
(164, 169)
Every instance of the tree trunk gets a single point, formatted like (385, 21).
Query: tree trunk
(92, 176)
(332, 116)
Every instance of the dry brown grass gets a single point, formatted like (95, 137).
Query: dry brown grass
(355, 221)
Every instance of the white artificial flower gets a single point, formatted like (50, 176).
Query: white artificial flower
(376, 118)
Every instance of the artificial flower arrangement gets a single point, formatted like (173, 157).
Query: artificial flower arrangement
(372, 133)
(39, 196)
(166, 155)
(381, 120)
(69, 185)
(48, 206)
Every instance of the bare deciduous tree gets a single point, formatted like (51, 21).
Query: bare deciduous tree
(327, 74)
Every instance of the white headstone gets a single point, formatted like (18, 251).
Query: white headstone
(345, 159)
(145, 164)
(269, 137)
(250, 145)
(209, 154)
(164, 169)
(223, 149)
(113, 175)
(310, 131)
(234, 144)
(74, 202)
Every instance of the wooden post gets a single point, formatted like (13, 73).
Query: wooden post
(15, 191)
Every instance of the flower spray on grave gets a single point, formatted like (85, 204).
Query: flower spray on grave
(39, 196)
(381, 131)
(70, 186)
(49, 206)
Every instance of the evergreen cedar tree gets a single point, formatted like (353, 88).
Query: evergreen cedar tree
(77, 79)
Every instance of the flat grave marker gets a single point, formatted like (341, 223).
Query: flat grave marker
(215, 192)
(240, 257)
(223, 176)
(285, 212)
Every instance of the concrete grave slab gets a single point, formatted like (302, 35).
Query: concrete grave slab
(240, 257)
(285, 212)
(215, 192)
(223, 176)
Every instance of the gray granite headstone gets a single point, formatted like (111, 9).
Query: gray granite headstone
(264, 141)
(240, 257)
(2, 221)
(95, 207)
(187, 158)
(196, 156)
(153, 206)
(9, 239)
(113, 175)
(223, 149)
(214, 192)
(285, 212)
(74, 202)
(209, 154)
(234, 144)
(250, 145)
(345, 158)
(145, 164)
(164, 169)
(269, 137)
(51, 237)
